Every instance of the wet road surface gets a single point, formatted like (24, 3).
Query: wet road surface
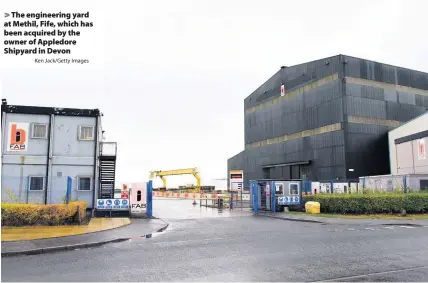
(242, 248)
(183, 209)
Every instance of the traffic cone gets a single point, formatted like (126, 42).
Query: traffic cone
(194, 202)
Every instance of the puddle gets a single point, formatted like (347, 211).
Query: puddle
(151, 235)
(146, 236)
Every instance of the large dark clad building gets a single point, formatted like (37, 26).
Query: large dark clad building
(330, 122)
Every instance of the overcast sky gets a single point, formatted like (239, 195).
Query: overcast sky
(176, 72)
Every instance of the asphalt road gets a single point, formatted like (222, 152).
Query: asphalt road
(241, 248)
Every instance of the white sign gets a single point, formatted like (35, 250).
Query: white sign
(422, 153)
(18, 137)
(113, 204)
(288, 200)
(236, 180)
(139, 198)
(282, 90)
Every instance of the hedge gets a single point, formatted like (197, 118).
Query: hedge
(39, 214)
(371, 203)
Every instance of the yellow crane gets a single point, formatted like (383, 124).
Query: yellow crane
(188, 171)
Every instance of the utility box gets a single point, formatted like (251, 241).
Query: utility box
(312, 207)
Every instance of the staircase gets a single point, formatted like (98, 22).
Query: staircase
(107, 170)
(107, 175)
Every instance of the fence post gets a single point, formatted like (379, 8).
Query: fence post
(78, 215)
(149, 199)
(241, 198)
(68, 193)
(273, 197)
(255, 197)
(405, 184)
(28, 188)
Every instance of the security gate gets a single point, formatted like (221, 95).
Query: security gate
(240, 200)
(274, 195)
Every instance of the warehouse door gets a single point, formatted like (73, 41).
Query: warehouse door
(295, 172)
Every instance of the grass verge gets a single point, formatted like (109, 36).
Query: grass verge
(363, 216)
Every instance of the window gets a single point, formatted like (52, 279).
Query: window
(36, 183)
(424, 185)
(86, 133)
(83, 183)
(279, 188)
(294, 189)
(39, 131)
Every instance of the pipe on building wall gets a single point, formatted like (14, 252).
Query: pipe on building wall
(3, 131)
(49, 157)
(95, 161)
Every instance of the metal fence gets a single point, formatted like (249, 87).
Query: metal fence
(384, 183)
(396, 183)
(38, 189)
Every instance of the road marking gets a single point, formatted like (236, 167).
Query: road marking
(388, 227)
(370, 229)
(375, 273)
(410, 227)
(351, 229)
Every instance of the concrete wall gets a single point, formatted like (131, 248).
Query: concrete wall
(404, 163)
(69, 157)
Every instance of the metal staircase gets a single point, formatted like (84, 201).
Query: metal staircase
(107, 169)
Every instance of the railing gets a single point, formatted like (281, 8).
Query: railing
(108, 148)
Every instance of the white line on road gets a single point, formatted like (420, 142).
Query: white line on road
(388, 227)
(375, 273)
(410, 227)
(370, 229)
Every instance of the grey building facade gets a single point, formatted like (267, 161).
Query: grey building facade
(45, 150)
(330, 121)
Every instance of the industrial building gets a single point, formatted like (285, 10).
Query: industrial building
(48, 153)
(327, 120)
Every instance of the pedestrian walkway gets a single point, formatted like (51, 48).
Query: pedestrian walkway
(45, 232)
(137, 228)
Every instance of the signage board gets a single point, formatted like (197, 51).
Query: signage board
(282, 90)
(18, 137)
(125, 193)
(236, 178)
(113, 204)
(139, 198)
(289, 200)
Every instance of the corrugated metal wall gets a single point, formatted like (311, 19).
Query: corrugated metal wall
(390, 93)
(368, 95)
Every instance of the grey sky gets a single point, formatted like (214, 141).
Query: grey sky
(176, 72)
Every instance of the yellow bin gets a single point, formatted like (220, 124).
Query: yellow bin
(312, 207)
